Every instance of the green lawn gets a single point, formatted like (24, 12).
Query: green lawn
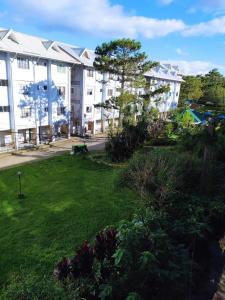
(68, 199)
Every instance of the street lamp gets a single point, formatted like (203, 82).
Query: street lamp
(20, 195)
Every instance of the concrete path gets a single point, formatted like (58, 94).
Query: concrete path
(8, 160)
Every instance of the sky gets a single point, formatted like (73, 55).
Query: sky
(188, 33)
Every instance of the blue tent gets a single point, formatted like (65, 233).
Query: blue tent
(220, 117)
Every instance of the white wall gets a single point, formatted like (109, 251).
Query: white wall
(4, 116)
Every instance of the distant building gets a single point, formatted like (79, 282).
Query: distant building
(165, 75)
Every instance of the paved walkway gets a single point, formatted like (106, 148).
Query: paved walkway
(24, 156)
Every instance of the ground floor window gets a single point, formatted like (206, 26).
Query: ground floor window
(26, 112)
(4, 108)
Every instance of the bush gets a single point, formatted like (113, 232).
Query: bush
(195, 139)
(163, 141)
(83, 274)
(121, 146)
(161, 174)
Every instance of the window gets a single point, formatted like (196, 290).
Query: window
(88, 109)
(40, 63)
(177, 94)
(23, 63)
(110, 92)
(100, 90)
(61, 68)
(25, 112)
(89, 92)
(46, 109)
(3, 82)
(90, 73)
(118, 90)
(61, 110)
(75, 82)
(44, 87)
(4, 109)
(72, 91)
(61, 91)
(24, 90)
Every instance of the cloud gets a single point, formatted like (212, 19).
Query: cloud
(182, 52)
(208, 6)
(165, 2)
(212, 5)
(105, 20)
(212, 27)
(97, 17)
(196, 67)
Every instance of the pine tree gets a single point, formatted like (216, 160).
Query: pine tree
(123, 59)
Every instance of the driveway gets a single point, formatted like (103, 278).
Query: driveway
(25, 156)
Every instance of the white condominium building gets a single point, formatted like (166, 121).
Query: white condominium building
(49, 89)
(89, 87)
(35, 85)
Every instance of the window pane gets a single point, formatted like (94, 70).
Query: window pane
(61, 69)
(23, 63)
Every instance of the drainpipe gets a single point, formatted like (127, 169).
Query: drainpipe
(104, 82)
(35, 107)
(49, 80)
(69, 101)
(82, 99)
(13, 127)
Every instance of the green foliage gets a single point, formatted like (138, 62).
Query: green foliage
(133, 296)
(122, 144)
(207, 89)
(162, 175)
(124, 59)
(195, 138)
(105, 291)
(191, 89)
(214, 88)
(187, 119)
(162, 252)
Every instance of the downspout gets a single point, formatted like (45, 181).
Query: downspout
(69, 100)
(11, 99)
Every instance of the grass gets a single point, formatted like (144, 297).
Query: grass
(67, 200)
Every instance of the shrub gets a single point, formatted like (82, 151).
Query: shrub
(162, 141)
(82, 275)
(162, 174)
(195, 139)
(121, 146)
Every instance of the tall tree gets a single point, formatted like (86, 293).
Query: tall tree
(191, 89)
(123, 59)
(214, 88)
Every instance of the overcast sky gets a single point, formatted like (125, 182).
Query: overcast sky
(190, 33)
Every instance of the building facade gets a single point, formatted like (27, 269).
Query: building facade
(49, 90)
(89, 87)
(35, 89)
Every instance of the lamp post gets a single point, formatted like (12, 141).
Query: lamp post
(20, 195)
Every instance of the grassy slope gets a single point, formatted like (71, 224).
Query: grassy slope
(68, 199)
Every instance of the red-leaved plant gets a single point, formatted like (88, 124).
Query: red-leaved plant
(82, 263)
